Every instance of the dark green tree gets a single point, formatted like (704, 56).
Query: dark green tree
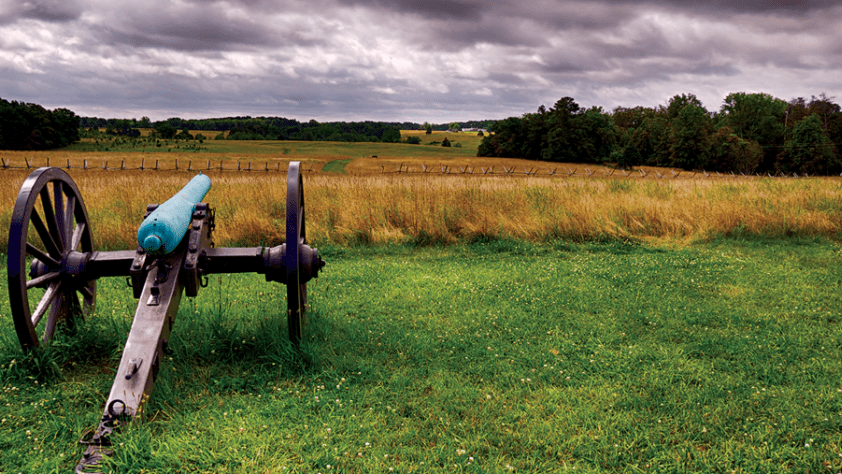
(756, 117)
(809, 150)
(506, 141)
(652, 139)
(32, 127)
(678, 102)
(165, 130)
(631, 118)
(729, 152)
(627, 157)
(445, 142)
(690, 137)
(392, 135)
(429, 129)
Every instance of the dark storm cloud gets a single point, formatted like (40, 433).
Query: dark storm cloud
(450, 10)
(201, 28)
(45, 10)
(731, 6)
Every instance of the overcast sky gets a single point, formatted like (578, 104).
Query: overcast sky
(408, 60)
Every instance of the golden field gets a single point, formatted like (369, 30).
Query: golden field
(378, 208)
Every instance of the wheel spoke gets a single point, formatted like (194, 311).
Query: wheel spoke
(48, 298)
(40, 255)
(50, 216)
(56, 311)
(86, 292)
(58, 200)
(68, 221)
(77, 236)
(42, 279)
(45, 235)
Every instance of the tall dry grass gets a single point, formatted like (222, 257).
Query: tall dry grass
(250, 208)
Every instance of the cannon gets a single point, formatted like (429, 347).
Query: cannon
(53, 268)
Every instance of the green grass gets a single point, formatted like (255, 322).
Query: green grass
(494, 357)
(336, 166)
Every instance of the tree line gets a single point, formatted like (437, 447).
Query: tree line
(749, 133)
(258, 128)
(32, 127)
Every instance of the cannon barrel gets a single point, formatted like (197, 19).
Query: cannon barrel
(162, 231)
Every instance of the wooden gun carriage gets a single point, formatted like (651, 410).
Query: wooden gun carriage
(53, 268)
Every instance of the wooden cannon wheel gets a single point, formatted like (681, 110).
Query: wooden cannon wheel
(295, 240)
(49, 228)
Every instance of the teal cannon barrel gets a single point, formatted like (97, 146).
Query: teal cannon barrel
(162, 231)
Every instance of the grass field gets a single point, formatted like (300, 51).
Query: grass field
(428, 209)
(499, 357)
(463, 324)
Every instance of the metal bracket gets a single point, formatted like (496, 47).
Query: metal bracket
(134, 364)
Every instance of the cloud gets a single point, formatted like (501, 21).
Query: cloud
(43, 10)
(396, 60)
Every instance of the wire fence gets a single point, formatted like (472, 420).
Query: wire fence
(266, 167)
(112, 165)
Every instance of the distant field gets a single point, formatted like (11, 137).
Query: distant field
(350, 200)
(366, 157)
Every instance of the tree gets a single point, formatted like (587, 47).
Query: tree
(728, 152)
(392, 135)
(454, 127)
(809, 150)
(824, 106)
(446, 142)
(652, 139)
(506, 141)
(628, 157)
(32, 127)
(633, 118)
(429, 129)
(690, 136)
(756, 117)
(678, 102)
(165, 130)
